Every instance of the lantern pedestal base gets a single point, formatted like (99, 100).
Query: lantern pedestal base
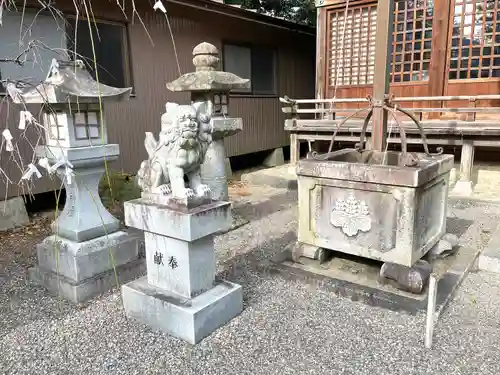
(79, 271)
(189, 319)
(214, 170)
(84, 216)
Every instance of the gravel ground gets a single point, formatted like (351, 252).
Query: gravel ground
(287, 326)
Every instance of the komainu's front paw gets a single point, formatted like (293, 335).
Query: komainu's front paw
(203, 190)
(163, 189)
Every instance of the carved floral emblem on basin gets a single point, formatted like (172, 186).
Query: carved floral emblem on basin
(351, 215)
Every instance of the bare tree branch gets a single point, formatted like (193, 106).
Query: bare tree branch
(17, 60)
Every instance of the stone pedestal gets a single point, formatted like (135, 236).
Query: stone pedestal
(275, 158)
(88, 254)
(180, 295)
(463, 188)
(84, 217)
(213, 170)
(464, 185)
(13, 213)
(79, 271)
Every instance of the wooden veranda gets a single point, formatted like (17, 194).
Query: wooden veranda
(442, 64)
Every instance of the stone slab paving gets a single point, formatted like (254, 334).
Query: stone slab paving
(287, 327)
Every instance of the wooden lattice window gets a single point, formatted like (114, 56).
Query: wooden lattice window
(58, 125)
(412, 40)
(87, 125)
(475, 41)
(352, 58)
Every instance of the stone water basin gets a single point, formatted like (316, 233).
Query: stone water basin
(365, 204)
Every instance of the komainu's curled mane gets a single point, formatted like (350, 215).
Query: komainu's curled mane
(183, 142)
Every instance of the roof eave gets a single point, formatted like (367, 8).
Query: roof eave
(250, 16)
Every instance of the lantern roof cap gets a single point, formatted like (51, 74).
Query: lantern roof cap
(207, 77)
(68, 82)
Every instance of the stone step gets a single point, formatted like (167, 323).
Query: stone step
(281, 177)
(489, 259)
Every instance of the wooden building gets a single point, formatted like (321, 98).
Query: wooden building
(137, 50)
(444, 70)
(440, 48)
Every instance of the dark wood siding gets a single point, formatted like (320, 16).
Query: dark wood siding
(154, 64)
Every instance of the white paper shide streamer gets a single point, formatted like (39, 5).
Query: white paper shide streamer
(32, 170)
(44, 163)
(159, 5)
(25, 118)
(7, 135)
(68, 167)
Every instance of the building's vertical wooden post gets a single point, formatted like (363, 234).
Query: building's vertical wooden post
(439, 59)
(383, 47)
(294, 149)
(471, 116)
(321, 58)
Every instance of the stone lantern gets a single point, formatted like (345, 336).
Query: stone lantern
(88, 250)
(212, 86)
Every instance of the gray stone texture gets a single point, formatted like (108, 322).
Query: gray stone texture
(224, 127)
(275, 158)
(178, 153)
(184, 268)
(79, 271)
(206, 77)
(411, 279)
(13, 213)
(188, 226)
(84, 217)
(446, 246)
(81, 260)
(214, 171)
(355, 204)
(463, 188)
(88, 254)
(489, 259)
(78, 292)
(299, 249)
(228, 168)
(68, 81)
(180, 295)
(282, 177)
(188, 319)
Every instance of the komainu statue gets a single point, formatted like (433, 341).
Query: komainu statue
(186, 133)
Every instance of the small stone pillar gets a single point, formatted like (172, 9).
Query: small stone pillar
(211, 86)
(464, 184)
(180, 294)
(88, 253)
